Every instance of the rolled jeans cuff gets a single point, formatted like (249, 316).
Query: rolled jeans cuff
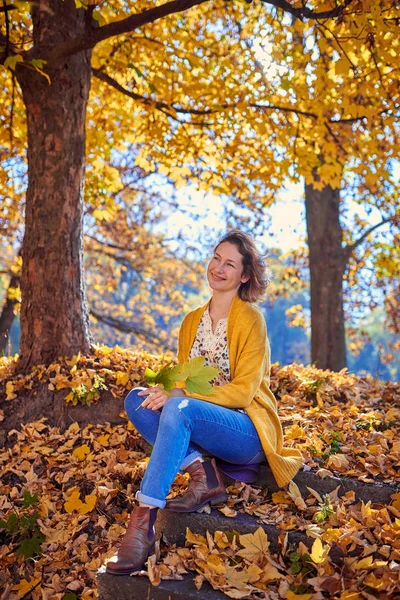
(149, 500)
(190, 458)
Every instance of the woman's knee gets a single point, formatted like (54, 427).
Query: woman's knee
(133, 400)
(174, 407)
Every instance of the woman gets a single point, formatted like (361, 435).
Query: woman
(238, 423)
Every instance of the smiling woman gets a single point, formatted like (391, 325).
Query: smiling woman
(238, 424)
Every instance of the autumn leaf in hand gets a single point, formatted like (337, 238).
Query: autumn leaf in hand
(196, 376)
(165, 377)
(193, 373)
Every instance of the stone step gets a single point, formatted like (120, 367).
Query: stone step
(376, 492)
(173, 526)
(112, 587)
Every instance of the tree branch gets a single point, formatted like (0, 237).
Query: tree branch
(93, 35)
(162, 106)
(129, 328)
(307, 13)
(188, 111)
(7, 20)
(351, 247)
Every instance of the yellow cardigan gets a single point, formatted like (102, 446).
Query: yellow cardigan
(249, 359)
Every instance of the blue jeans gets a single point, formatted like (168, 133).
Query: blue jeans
(182, 431)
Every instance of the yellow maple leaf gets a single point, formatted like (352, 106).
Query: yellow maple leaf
(319, 552)
(10, 391)
(215, 564)
(74, 427)
(24, 587)
(254, 573)
(270, 573)
(103, 439)
(368, 563)
(255, 545)
(74, 502)
(88, 505)
(236, 578)
(74, 360)
(331, 535)
(121, 378)
(69, 397)
(81, 451)
(295, 432)
(281, 497)
(350, 596)
(195, 538)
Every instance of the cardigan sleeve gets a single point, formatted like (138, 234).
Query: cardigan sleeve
(185, 327)
(251, 368)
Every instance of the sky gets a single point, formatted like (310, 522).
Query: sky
(284, 222)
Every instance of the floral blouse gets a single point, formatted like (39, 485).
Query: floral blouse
(214, 346)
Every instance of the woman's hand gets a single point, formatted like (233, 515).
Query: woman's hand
(157, 398)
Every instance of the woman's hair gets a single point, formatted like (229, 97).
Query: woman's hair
(253, 265)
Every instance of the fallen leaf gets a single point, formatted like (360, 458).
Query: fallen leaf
(24, 587)
(81, 452)
(228, 512)
(255, 545)
(319, 553)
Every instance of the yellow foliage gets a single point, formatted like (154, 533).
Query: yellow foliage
(319, 553)
(24, 587)
(81, 452)
(75, 504)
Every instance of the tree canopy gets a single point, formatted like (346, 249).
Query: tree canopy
(235, 96)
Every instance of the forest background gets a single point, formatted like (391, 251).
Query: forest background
(204, 217)
(239, 99)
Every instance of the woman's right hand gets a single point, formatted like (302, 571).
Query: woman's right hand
(157, 398)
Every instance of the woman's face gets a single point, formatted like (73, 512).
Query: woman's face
(225, 269)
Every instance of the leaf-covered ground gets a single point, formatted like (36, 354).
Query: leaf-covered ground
(65, 497)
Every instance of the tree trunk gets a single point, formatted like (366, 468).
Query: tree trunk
(327, 265)
(54, 312)
(8, 314)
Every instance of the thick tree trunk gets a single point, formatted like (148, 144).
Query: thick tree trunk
(7, 314)
(54, 313)
(327, 265)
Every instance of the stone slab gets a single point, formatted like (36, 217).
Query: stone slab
(376, 492)
(173, 526)
(112, 587)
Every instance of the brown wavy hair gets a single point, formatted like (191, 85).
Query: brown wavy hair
(253, 265)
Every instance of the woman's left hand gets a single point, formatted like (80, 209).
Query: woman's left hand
(156, 398)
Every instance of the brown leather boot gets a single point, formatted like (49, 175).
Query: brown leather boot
(137, 543)
(205, 485)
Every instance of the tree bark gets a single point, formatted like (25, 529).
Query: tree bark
(8, 314)
(54, 312)
(327, 265)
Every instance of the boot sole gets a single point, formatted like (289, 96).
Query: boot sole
(130, 571)
(213, 501)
